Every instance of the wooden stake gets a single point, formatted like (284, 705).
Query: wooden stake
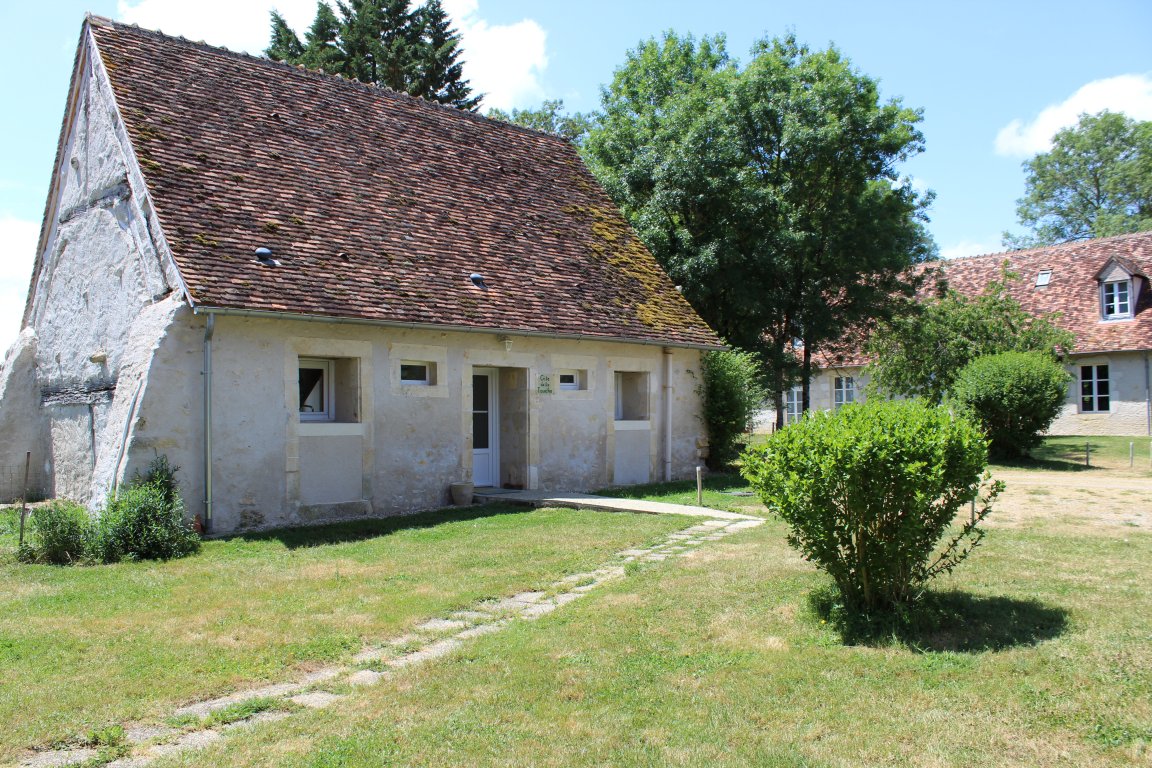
(24, 499)
(699, 486)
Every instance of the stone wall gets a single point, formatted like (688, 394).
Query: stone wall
(413, 440)
(102, 293)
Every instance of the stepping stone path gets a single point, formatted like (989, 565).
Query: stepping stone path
(430, 640)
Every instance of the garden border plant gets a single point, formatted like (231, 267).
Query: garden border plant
(143, 521)
(870, 491)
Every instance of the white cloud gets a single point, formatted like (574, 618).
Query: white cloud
(246, 29)
(1130, 94)
(969, 248)
(503, 61)
(17, 253)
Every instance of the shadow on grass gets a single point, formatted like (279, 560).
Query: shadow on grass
(721, 482)
(370, 528)
(948, 621)
(1049, 464)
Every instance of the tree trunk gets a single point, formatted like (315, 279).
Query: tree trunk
(778, 389)
(806, 380)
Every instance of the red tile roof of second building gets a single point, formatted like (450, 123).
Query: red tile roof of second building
(1072, 291)
(379, 206)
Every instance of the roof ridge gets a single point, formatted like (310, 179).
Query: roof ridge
(1055, 246)
(301, 70)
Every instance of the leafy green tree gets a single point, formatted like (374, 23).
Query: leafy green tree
(549, 118)
(1096, 181)
(1015, 396)
(732, 394)
(920, 351)
(383, 42)
(769, 192)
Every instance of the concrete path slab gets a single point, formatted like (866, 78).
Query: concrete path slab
(608, 503)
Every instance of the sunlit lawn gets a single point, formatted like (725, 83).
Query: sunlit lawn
(1042, 656)
(87, 647)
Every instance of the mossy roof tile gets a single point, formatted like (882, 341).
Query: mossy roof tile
(378, 205)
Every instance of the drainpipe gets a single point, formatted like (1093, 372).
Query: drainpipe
(1148, 392)
(666, 365)
(209, 329)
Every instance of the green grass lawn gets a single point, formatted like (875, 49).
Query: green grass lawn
(1106, 451)
(1042, 657)
(84, 648)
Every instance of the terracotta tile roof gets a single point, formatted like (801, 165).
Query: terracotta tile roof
(1073, 290)
(378, 205)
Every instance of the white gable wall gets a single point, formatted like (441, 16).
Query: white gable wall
(101, 297)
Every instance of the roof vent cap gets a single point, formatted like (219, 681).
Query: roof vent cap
(478, 280)
(264, 256)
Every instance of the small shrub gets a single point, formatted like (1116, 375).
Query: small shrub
(1015, 396)
(870, 490)
(58, 533)
(140, 524)
(732, 393)
(162, 475)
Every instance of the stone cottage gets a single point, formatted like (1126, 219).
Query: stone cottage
(323, 299)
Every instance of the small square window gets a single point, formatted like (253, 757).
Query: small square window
(417, 373)
(317, 400)
(570, 379)
(1043, 278)
(329, 389)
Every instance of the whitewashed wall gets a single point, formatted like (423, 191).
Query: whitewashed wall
(412, 442)
(100, 300)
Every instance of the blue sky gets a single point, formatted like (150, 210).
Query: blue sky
(994, 79)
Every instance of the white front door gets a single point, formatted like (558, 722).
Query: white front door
(485, 445)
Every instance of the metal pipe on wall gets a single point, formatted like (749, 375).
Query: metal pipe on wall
(666, 366)
(209, 330)
(1147, 392)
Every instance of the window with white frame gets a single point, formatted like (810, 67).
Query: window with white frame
(844, 391)
(1115, 299)
(1094, 389)
(329, 389)
(317, 399)
(571, 379)
(417, 373)
(793, 404)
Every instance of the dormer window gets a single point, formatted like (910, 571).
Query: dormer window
(1115, 299)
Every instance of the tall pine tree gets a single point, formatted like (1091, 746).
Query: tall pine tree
(383, 42)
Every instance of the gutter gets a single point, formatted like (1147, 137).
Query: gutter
(666, 373)
(1148, 392)
(271, 315)
(209, 330)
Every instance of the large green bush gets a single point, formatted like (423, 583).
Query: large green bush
(869, 492)
(1015, 396)
(732, 393)
(139, 523)
(58, 533)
